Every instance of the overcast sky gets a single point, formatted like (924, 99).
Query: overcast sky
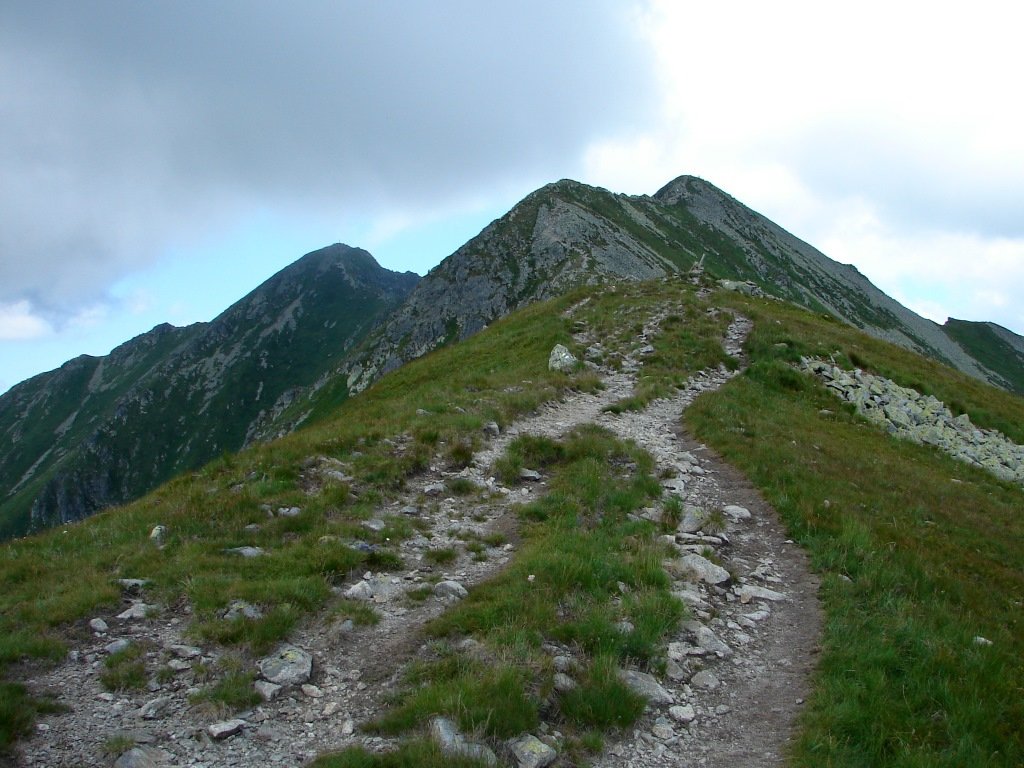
(158, 160)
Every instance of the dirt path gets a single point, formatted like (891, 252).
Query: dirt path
(735, 707)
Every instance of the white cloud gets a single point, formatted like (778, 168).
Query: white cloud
(19, 323)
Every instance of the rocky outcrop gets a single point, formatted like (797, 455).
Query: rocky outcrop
(907, 414)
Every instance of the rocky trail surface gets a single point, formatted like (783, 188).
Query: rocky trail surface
(737, 671)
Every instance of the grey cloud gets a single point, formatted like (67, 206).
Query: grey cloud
(126, 125)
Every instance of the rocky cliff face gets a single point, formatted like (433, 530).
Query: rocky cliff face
(100, 431)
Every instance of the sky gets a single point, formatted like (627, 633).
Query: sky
(160, 160)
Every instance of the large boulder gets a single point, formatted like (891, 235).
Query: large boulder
(289, 666)
(561, 359)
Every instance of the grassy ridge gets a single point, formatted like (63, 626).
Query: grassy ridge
(919, 553)
(434, 408)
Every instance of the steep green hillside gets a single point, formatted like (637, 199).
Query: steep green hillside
(995, 347)
(100, 431)
(918, 552)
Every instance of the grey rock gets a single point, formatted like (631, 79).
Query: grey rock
(709, 641)
(136, 611)
(750, 592)
(491, 429)
(245, 551)
(225, 729)
(288, 512)
(267, 691)
(133, 586)
(450, 589)
(434, 489)
(736, 512)
(645, 685)
(529, 474)
(186, 651)
(662, 729)
(98, 625)
(705, 679)
(693, 520)
(683, 714)
(531, 752)
(158, 535)
(242, 609)
(375, 524)
(140, 757)
(703, 569)
(289, 666)
(155, 708)
(360, 591)
(561, 359)
(447, 737)
(563, 683)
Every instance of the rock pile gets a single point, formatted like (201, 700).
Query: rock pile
(922, 419)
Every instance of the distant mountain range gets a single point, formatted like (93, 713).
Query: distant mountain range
(104, 430)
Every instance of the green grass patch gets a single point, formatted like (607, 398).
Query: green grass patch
(918, 553)
(124, 670)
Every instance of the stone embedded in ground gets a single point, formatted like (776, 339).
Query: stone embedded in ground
(531, 752)
(245, 551)
(563, 683)
(452, 743)
(289, 666)
(736, 512)
(186, 651)
(683, 714)
(225, 729)
(133, 586)
(158, 535)
(98, 625)
(529, 474)
(705, 679)
(561, 359)
(491, 429)
(312, 691)
(141, 757)
(434, 489)
(645, 685)
(662, 729)
(450, 589)
(242, 609)
(360, 591)
(288, 512)
(155, 708)
(752, 592)
(703, 569)
(983, 641)
(709, 641)
(374, 524)
(267, 691)
(693, 520)
(136, 611)
(117, 645)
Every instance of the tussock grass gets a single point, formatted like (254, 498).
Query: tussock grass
(919, 553)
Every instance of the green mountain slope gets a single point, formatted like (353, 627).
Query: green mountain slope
(995, 347)
(101, 431)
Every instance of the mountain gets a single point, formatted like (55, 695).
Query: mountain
(567, 234)
(103, 430)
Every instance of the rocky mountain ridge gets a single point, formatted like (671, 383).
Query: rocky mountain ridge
(100, 431)
(300, 344)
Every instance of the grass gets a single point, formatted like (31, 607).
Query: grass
(124, 670)
(563, 585)
(918, 553)
(430, 410)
